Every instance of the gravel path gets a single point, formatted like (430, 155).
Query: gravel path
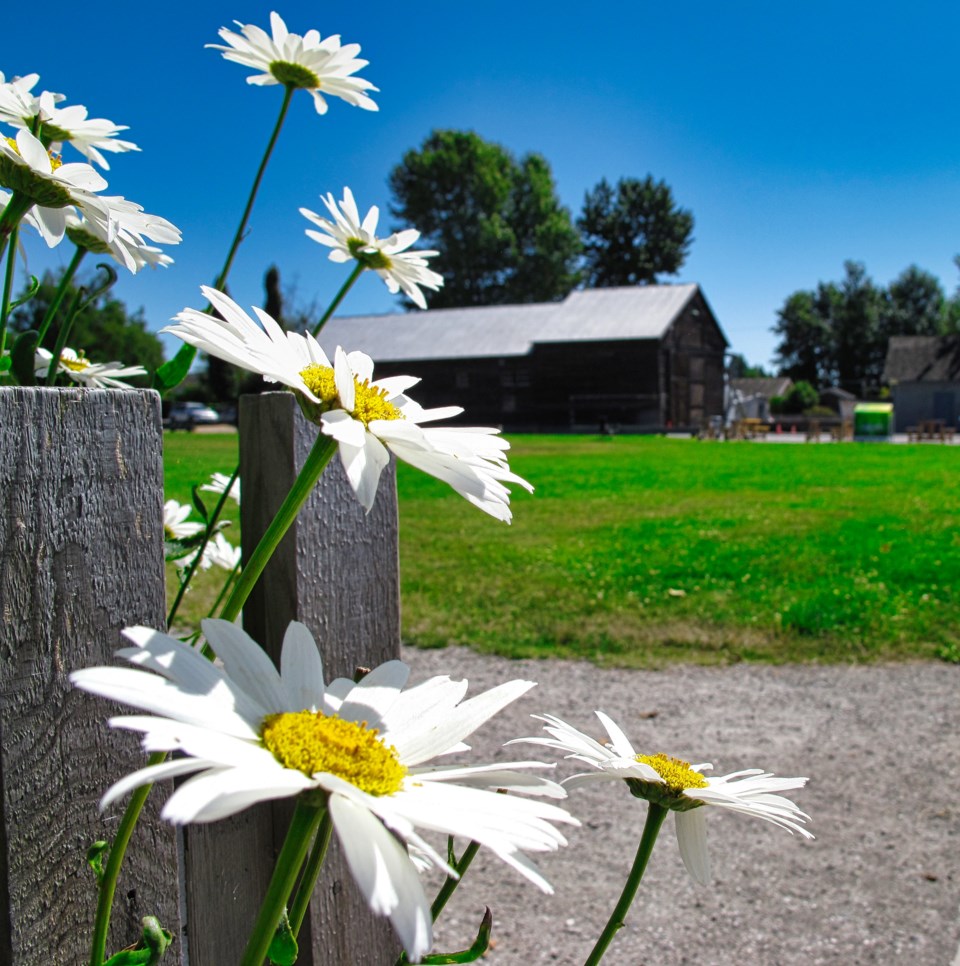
(881, 883)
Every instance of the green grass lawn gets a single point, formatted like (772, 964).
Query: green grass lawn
(642, 551)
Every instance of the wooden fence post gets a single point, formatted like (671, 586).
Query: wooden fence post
(337, 571)
(81, 556)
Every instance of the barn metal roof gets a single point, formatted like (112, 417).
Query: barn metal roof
(642, 312)
(922, 358)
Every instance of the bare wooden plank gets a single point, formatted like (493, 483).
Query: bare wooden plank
(81, 557)
(337, 571)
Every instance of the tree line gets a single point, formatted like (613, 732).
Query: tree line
(504, 237)
(837, 333)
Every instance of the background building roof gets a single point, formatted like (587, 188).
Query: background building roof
(636, 312)
(922, 358)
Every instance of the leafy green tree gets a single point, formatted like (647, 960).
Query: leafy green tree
(497, 223)
(633, 233)
(805, 337)
(739, 368)
(914, 304)
(106, 329)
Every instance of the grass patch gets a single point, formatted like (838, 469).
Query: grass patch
(641, 551)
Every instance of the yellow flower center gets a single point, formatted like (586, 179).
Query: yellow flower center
(369, 403)
(75, 365)
(294, 75)
(312, 742)
(676, 774)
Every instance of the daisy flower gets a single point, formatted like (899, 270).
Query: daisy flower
(307, 62)
(351, 238)
(219, 482)
(28, 168)
(18, 104)
(175, 523)
(676, 785)
(247, 733)
(368, 419)
(121, 228)
(217, 552)
(94, 375)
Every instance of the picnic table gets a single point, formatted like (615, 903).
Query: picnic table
(930, 429)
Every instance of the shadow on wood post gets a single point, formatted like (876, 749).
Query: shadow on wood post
(337, 570)
(81, 557)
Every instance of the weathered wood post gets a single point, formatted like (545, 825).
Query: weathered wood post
(81, 556)
(337, 571)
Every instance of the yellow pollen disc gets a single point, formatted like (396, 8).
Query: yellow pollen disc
(369, 403)
(56, 161)
(312, 742)
(677, 774)
(75, 365)
(12, 144)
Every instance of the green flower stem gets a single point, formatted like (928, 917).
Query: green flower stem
(108, 884)
(195, 563)
(8, 288)
(338, 298)
(227, 584)
(245, 217)
(61, 292)
(303, 485)
(63, 334)
(16, 208)
(301, 902)
(651, 828)
(448, 888)
(303, 825)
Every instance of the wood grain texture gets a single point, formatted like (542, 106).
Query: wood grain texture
(337, 570)
(81, 557)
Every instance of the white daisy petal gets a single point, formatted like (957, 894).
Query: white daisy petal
(301, 669)
(692, 840)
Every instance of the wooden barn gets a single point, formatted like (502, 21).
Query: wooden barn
(637, 359)
(923, 372)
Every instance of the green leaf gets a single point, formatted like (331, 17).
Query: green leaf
(95, 856)
(198, 503)
(283, 947)
(32, 290)
(4, 364)
(22, 357)
(153, 944)
(172, 373)
(471, 955)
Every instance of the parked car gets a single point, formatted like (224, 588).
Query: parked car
(187, 415)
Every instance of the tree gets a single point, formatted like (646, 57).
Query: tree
(106, 329)
(634, 233)
(914, 304)
(739, 368)
(500, 230)
(805, 337)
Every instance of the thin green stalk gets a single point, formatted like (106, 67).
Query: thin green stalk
(8, 289)
(338, 298)
(63, 334)
(245, 217)
(303, 485)
(16, 208)
(448, 888)
(301, 902)
(655, 816)
(108, 884)
(303, 825)
(227, 584)
(195, 563)
(61, 292)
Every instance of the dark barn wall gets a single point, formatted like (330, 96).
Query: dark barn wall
(629, 385)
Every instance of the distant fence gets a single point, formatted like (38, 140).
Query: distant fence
(81, 557)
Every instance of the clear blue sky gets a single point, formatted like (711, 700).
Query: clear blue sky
(800, 135)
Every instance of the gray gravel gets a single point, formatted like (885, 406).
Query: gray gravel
(881, 883)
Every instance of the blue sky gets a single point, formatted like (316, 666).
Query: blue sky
(800, 135)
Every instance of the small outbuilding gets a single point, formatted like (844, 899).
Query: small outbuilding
(638, 359)
(923, 373)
